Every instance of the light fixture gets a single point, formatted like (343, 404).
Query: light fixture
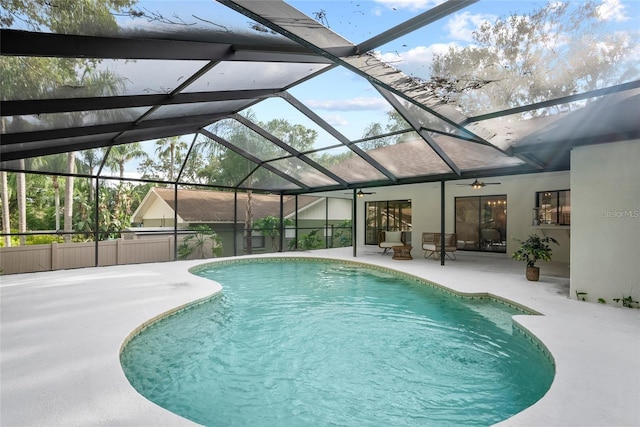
(361, 193)
(476, 185)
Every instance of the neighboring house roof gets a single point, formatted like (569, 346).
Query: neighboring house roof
(217, 206)
(414, 157)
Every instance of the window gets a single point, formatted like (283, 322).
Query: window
(554, 207)
(257, 241)
(393, 215)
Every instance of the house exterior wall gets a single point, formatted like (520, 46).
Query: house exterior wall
(309, 219)
(159, 214)
(521, 199)
(339, 210)
(605, 233)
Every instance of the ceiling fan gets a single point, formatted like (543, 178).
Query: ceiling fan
(361, 193)
(479, 184)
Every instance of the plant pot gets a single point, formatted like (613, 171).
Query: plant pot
(533, 273)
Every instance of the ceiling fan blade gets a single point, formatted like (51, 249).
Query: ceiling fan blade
(361, 193)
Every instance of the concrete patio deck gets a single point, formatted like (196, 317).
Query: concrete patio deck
(62, 332)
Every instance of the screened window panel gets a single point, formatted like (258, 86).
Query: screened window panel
(62, 142)
(504, 131)
(507, 131)
(469, 155)
(351, 108)
(117, 200)
(583, 52)
(264, 179)
(125, 160)
(143, 76)
(241, 75)
(355, 21)
(247, 140)
(406, 159)
(297, 23)
(196, 109)
(47, 121)
(164, 158)
(45, 205)
(277, 108)
(429, 121)
(106, 77)
(413, 88)
(302, 172)
(54, 163)
(210, 163)
(195, 20)
(185, 19)
(153, 133)
(346, 164)
(86, 162)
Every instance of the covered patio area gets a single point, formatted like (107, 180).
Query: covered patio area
(62, 333)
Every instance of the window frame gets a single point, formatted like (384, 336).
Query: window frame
(403, 222)
(562, 216)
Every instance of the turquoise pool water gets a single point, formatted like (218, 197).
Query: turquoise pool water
(313, 343)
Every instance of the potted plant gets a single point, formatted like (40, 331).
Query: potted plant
(531, 250)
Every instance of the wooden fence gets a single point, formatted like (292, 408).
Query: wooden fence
(61, 256)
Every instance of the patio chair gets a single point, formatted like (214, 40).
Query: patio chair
(431, 244)
(389, 239)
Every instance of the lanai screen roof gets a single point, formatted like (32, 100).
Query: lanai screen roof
(196, 69)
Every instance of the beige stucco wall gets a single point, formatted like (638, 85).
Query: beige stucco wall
(605, 235)
(159, 214)
(339, 210)
(519, 189)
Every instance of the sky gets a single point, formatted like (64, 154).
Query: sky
(350, 104)
(345, 100)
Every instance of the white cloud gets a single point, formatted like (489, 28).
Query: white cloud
(412, 5)
(357, 104)
(611, 10)
(336, 120)
(462, 25)
(417, 61)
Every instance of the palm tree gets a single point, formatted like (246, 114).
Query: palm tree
(119, 155)
(90, 159)
(68, 196)
(6, 225)
(21, 192)
(44, 73)
(55, 163)
(170, 147)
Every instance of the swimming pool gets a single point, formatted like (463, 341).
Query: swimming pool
(316, 342)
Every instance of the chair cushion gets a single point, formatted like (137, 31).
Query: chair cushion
(393, 236)
(390, 244)
(428, 246)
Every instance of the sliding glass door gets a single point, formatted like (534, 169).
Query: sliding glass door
(393, 215)
(481, 223)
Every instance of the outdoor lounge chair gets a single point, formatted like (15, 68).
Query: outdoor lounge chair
(431, 244)
(389, 239)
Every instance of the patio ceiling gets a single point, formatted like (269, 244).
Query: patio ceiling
(178, 79)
